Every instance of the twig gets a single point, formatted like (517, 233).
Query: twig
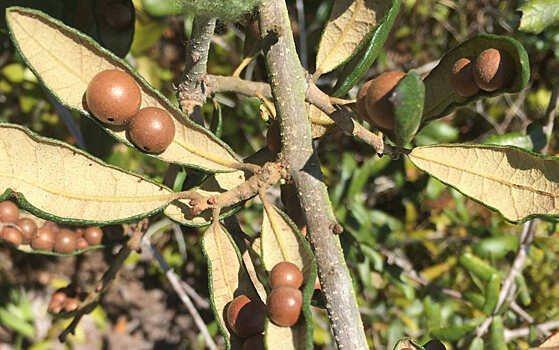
(299, 4)
(219, 83)
(550, 114)
(268, 176)
(288, 81)
(200, 302)
(511, 334)
(93, 298)
(191, 90)
(178, 288)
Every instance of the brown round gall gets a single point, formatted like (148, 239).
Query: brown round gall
(152, 130)
(28, 229)
(113, 97)
(12, 236)
(65, 242)
(81, 243)
(9, 212)
(51, 225)
(117, 15)
(71, 304)
(493, 69)
(255, 342)
(462, 78)
(246, 317)
(286, 274)
(284, 306)
(380, 110)
(93, 235)
(43, 239)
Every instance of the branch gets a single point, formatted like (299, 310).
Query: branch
(177, 285)
(220, 83)
(288, 82)
(511, 334)
(191, 90)
(92, 300)
(267, 176)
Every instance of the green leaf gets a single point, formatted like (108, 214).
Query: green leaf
(436, 132)
(356, 68)
(350, 24)
(160, 8)
(282, 241)
(47, 46)
(538, 14)
(477, 266)
(227, 277)
(496, 247)
(56, 181)
(516, 183)
(440, 97)
(511, 139)
(497, 334)
(452, 333)
(476, 344)
(475, 298)
(523, 290)
(15, 323)
(492, 294)
(407, 99)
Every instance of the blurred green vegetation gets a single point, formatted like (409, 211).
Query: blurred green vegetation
(401, 226)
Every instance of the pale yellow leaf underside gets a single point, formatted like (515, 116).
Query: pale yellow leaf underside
(285, 338)
(66, 63)
(251, 270)
(509, 180)
(57, 180)
(280, 242)
(551, 342)
(228, 276)
(349, 24)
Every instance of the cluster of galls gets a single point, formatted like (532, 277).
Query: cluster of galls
(114, 98)
(491, 70)
(246, 317)
(65, 299)
(48, 237)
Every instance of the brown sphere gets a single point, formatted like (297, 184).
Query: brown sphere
(9, 212)
(71, 304)
(256, 342)
(284, 306)
(43, 239)
(65, 242)
(12, 236)
(28, 229)
(113, 97)
(246, 317)
(380, 110)
(51, 225)
(493, 69)
(286, 274)
(152, 130)
(81, 243)
(80, 231)
(57, 301)
(361, 99)
(273, 137)
(462, 78)
(93, 235)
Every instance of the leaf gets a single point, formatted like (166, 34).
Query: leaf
(477, 267)
(349, 25)
(440, 97)
(227, 276)
(405, 344)
(66, 60)
(356, 68)
(497, 334)
(476, 344)
(538, 14)
(281, 241)
(179, 210)
(452, 333)
(56, 181)
(516, 183)
(407, 99)
(551, 341)
(496, 247)
(253, 263)
(492, 291)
